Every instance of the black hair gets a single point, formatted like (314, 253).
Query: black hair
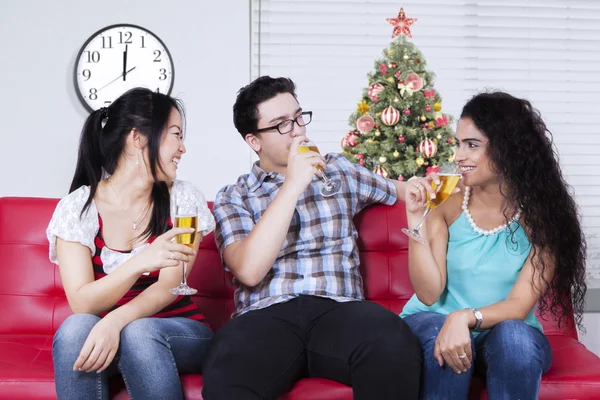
(101, 147)
(521, 152)
(245, 109)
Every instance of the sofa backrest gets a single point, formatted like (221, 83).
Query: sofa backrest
(32, 297)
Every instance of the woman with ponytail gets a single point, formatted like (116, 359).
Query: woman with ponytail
(509, 243)
(112, 238)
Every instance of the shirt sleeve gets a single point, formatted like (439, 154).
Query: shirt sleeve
(233, 221)
(69, 224)
(370, 187)
(186, 193)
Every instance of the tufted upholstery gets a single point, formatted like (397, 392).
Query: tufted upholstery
(33, 306)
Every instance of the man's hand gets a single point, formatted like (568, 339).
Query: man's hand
(301, 167)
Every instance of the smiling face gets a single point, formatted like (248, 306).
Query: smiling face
(171, 147)
(471, 155)
(272, 147)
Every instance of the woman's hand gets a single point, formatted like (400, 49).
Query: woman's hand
(453, 343)
(100, 347)
(163, 252)
(416, 192)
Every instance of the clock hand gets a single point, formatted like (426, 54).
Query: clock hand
(117, 78)
(125, 64)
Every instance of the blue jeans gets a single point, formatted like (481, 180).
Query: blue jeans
(151, 354)
(512, 356)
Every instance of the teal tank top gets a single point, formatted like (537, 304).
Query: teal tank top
(481, 270)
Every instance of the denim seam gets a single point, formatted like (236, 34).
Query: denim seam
(99, 386)
(125, 381)
(167, 338)
(174, 362)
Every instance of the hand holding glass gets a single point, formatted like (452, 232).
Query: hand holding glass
(330, 186)
(449, 175)
(186, 217)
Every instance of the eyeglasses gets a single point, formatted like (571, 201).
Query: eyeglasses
(287, 125)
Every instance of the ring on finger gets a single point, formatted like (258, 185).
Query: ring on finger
(463, 356)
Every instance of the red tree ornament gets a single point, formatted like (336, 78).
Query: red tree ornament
(415, 80)
(401, 24)
(428, 148)
(375, 90)
(350, 140)
(390, 116)
(381, 171)
(365, 124)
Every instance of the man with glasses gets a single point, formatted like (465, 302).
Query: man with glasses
(300, 308)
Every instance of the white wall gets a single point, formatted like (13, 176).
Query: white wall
(41, 116)
(591, 339)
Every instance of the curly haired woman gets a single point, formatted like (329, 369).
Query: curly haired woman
(509, 243)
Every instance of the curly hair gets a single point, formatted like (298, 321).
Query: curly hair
(521, 152)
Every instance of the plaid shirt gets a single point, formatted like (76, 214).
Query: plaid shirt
(319, 255)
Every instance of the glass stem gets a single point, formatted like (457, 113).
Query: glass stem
(427, 211)
(326, 180)
(183, 282)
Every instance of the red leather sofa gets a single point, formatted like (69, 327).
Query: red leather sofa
(33, 305)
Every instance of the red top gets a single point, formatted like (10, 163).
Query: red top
(182, 306)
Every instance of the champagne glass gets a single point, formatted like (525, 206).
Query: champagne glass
(330, 186)
(449, 175)
(186, 217)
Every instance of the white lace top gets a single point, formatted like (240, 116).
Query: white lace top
(67, 224)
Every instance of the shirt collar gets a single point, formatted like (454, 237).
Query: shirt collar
(258, 176)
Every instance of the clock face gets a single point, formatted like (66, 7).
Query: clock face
(118, 58)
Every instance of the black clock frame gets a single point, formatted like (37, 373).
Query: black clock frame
(94, 35)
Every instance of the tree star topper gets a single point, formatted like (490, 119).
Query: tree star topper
(401, 24)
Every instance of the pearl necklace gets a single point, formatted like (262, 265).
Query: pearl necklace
(474, 225)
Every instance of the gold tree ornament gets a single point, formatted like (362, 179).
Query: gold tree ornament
(363, 107)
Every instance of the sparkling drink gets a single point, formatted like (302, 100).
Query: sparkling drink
(191, 221)
(444, 190)
(449, 176)
(330, 185)
(304, 148)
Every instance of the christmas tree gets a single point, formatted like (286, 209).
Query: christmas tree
(399, 130)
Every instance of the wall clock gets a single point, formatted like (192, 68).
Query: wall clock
(118, 58)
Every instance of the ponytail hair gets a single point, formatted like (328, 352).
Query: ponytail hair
(103, 140)
(89, 158)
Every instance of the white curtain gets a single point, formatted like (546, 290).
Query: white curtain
(547, 51)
